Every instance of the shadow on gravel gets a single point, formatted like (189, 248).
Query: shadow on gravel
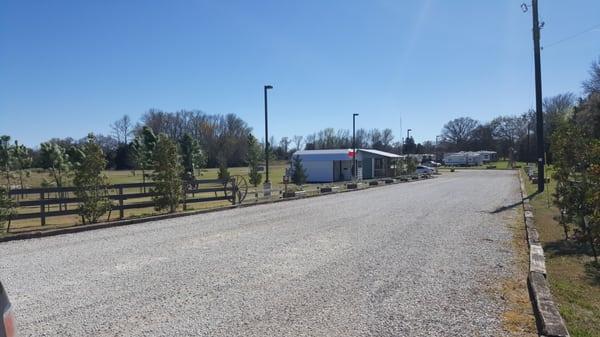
(505, 208)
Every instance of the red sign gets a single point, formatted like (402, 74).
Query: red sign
(351, 153)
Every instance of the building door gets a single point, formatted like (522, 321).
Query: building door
(379, 164)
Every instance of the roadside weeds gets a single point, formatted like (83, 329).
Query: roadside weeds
(518, 318)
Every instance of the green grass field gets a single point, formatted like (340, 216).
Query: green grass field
(574, 278)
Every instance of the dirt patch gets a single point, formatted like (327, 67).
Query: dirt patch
(518, 318)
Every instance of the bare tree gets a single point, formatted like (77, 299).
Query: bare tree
(592, 85)
(122, 128)
(362, 138)
(556, 110)
(459, 131)
(387, 136)
(507, 130)
(298, 142)
(285, 144)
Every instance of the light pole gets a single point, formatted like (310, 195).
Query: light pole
(354, 169)
(407, 136)
(437, 149)
(267, 87)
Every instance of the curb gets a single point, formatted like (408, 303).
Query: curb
(126, 222)
(547, 317)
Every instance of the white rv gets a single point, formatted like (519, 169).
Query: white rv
(463, 159)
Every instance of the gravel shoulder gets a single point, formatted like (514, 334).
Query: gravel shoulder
(412, 259)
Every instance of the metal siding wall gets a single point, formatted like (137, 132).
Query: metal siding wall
(319, 171)
(367, 168)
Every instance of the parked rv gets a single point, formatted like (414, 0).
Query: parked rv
(463, 159)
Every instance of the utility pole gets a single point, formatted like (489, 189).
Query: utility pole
(354, 168)
(539, 131)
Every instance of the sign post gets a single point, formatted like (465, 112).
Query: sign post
(267, 189)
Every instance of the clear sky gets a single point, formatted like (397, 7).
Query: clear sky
(71, 67)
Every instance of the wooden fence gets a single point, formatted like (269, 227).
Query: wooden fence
(45, 198)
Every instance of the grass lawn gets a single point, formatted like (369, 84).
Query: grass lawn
(574, 277)
(36, 177)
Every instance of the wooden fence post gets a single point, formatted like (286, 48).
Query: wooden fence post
(185, 190)
(42, 209)
(121, 211)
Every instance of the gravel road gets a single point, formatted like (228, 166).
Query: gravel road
(416, 259)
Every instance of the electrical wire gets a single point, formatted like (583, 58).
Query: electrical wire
(571, 37)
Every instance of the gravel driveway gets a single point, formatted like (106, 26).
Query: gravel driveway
(414, 259)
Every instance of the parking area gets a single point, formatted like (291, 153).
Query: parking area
(413, 259)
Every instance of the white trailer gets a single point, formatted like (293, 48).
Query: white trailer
(463, 159)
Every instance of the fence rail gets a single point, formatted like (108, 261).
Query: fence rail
(44, 197)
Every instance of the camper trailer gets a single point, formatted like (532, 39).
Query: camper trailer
(463, 159)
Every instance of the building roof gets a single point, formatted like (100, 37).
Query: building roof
(339, 154)
(334, 154)
(381, 153)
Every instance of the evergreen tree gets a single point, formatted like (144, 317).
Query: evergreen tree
(299, 173)
(223, 173)
(253, 158)
(22, 159)
(142, 151)
(54, 158)
(91, 183)
(167, 175)
(191, 155)
(6, 159)
(411, 165)
(7, 208)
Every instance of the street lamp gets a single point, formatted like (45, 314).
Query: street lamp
(354, 169)
(407, 136)
(437, 148)
(267, 87)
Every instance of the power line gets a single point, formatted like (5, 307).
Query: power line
(572, 36)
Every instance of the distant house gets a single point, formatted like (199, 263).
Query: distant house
(337, 164)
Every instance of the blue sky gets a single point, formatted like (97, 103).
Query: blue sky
(72, 67)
